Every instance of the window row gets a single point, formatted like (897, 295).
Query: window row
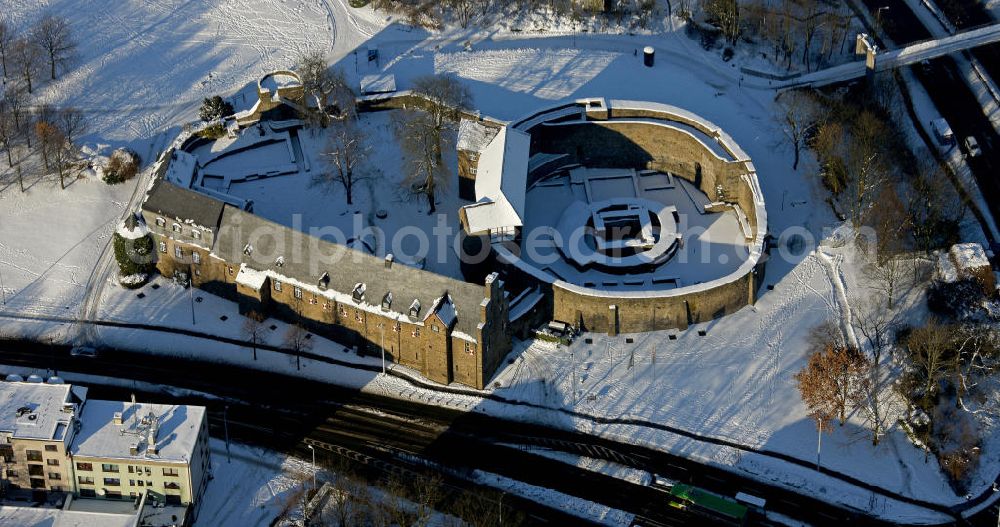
(179, 253)
(176, 227)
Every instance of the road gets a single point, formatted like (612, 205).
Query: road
(298, 411)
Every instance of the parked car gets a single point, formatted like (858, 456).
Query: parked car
(972, 147)
(83, 351)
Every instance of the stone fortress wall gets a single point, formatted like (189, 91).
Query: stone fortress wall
(642, 135)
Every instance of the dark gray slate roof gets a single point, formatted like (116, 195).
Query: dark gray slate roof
(171, 201)
(305, 258)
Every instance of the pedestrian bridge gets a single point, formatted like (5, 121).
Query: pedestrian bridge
(905, 56)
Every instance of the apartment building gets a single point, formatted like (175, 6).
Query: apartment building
(38, 422)
(124, 450)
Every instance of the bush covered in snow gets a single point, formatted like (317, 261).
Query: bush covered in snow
(133, 281)
(122, 166)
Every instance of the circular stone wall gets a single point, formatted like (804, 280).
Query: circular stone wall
(647, 138)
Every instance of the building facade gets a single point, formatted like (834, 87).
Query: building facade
(54, 439)
(38, 422)
(449, 330)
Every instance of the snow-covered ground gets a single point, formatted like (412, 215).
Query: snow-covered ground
(736, 382)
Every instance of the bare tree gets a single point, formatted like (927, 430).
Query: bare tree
(26, 57)
(6, 36)
(446, 98)
(867, 166)
(423, 170)
(298, 340)
(887, 266)
(52, 35)
(253, 327)
(324, 87)
(928, 348)
(876, 325)
(49, 139)
(797, 117)
(71, 122)
(8, 131)
(829, 382)
(422, 133)
(347, 154)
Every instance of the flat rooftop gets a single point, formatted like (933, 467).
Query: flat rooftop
(30, 410)
(99, 437)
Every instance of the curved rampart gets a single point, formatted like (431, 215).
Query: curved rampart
(642, 135)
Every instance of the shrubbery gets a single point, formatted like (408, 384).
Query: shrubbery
(214, 131)
(214, 108)
(960, 300)
(122, 166)
(135, 259)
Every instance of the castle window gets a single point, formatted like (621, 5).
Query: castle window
(178, 252)
(312, 300)
(160, 222)
(387, 301)
(343, 311)
(395, 327)
(277, 285)
(326, 306)
(470, 348)
(297, 292)
(415, 332)
(196, 257)
(163, 247)
(230, 270)
(435, 328)
(472, 170)
(415, 309)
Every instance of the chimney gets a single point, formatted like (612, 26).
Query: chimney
(151, 439)
(117, 419)
(133, 449)
(388, 261)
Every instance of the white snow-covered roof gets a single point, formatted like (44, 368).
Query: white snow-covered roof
(378, 83)
(36, 410)
(946, 271)
(501, 180)
(251, 277)
(474, 136)
(969, 256)
(177, 431)
(138, 228)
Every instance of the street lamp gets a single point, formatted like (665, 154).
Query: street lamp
(313, 450)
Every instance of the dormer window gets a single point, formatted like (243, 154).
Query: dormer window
(248, 249)
(160, 222)
(324, 281)
(359, 292)
(415, 309)
(279, 262)
(387, 301)
(196, 234)
(277, 285)
(297, 292)
(176, 227)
